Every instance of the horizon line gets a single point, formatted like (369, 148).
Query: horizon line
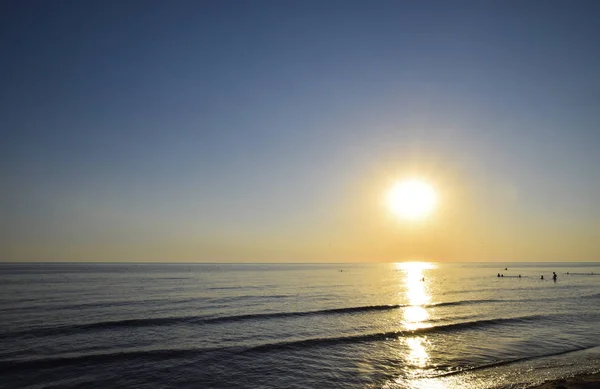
(271, 263)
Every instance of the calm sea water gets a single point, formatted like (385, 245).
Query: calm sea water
(412, 325)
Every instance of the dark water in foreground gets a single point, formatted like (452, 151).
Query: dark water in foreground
(296, 326)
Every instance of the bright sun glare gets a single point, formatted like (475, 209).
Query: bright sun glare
(412, 199)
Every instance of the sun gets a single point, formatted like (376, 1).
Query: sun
(412, 199)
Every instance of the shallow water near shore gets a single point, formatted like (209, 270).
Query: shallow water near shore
(405, 325)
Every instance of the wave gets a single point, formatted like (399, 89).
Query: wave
(55, 362)
(511, 361)
(200, 320)
(393, 334)
(191, 320)
(466, 302)
(203, 320)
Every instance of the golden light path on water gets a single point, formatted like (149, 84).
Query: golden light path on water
(416, 294)
(415, 316)
(416, 353)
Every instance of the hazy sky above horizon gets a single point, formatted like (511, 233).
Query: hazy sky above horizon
(271, 130)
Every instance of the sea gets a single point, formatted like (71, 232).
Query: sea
(383, 325)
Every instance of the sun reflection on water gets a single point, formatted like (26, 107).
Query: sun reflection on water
(416, 293)
(417, 353)
(418, 370)
(415, 316)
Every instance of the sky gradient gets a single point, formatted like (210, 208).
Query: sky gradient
(271, 130)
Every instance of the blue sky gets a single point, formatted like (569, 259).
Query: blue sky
(265, 130)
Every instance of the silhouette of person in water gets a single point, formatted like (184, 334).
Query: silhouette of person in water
(498, 274)
(542, 277)
(554, 276)
(501, 275)
(519, 276)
